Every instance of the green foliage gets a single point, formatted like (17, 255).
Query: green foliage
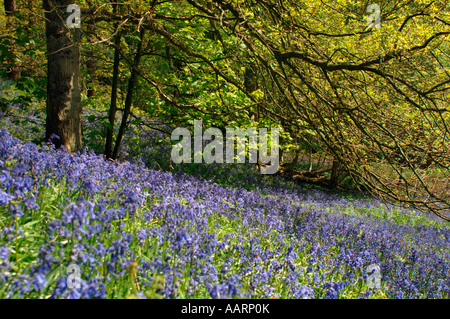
(369, 98)
(23, 92)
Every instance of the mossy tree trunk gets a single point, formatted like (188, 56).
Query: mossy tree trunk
(63, 75)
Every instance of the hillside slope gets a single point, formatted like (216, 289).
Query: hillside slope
(130, 231)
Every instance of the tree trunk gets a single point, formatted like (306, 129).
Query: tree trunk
(31, 17)
(63, 75)
(90, 62)
(129, 98)
(113, 105)
(10, 6)
(13, 71)
(335, 169)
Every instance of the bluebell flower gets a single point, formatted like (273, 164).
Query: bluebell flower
(335, 243)
(302, 292)
(4, 253)
(74, 294)
(40, 282)
(5, 198)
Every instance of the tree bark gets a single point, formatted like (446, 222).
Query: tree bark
(90, 61)
(129, 98)
(113, 104)
(10, 6)
(63, 75)
(13, 72)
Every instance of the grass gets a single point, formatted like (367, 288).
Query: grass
(25, 249)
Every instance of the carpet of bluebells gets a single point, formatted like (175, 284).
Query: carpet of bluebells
(131, 231)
